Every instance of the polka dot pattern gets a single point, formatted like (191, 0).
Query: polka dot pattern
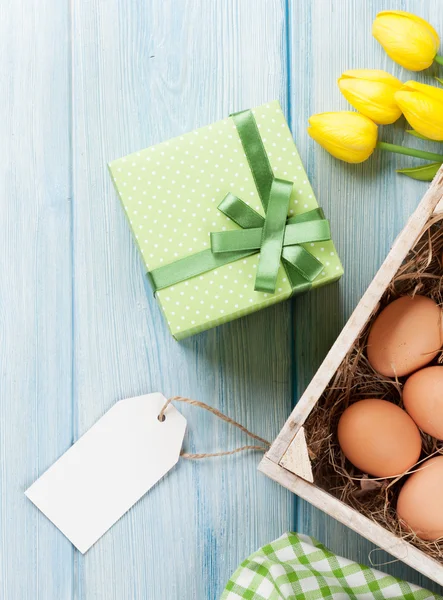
(170, 193)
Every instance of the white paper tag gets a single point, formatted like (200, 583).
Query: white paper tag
(110, 468)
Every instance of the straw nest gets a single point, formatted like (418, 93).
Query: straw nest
(421, 273)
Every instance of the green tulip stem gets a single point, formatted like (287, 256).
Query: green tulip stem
(410, 152)
(439, 59)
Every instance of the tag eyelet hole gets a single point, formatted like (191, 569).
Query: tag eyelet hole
(161, 418)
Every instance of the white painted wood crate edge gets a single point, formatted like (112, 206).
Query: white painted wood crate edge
(287, 461)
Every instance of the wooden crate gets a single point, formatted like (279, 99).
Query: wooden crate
(287, 461)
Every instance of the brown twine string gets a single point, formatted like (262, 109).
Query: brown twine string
(382, 564)
(218, 414)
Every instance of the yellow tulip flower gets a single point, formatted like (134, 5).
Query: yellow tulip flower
(346, 135)
(409, 40)
(422, 106)
(352, 137)
(371, 92)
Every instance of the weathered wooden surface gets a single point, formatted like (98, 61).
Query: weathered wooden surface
(35, 290)
(290, 457)
(84, 83)
(367, 204)
(353, 520)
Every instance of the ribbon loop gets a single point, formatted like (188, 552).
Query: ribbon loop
(312, 215)
(239, 212)
(301, 260)
(275, 236)
(311, 231)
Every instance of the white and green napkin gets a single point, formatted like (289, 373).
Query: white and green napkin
(298, 567)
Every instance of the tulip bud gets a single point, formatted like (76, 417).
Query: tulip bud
(371, 92)
(422, 105)
(409, 40)
(346, 135)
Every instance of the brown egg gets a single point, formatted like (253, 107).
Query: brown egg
(379, 438)
(405, 336)
(423, 399)
(419, 505)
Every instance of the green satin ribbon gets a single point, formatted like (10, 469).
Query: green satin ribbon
(276, 237)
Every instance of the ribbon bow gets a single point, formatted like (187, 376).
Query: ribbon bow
(276, 237)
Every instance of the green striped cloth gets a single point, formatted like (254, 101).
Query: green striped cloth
(297, 567)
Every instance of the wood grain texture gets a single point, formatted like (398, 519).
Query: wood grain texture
(297, 464)
(35, 290)
(352, 519)
(367, 305)
(296, 458)
(84, 83)
(142, 73)
(367, 204)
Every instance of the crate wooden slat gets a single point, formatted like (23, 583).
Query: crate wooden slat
(288, 463)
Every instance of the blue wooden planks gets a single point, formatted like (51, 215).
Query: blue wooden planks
(84, 83)
(142, 73)
(35, 291)
(367, 204)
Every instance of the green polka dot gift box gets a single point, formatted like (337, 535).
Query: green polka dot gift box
(226, 220)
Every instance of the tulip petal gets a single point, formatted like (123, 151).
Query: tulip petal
(425, 89)
(373, 75)
(346, 135)
(408, 40)
(421, 22)
(373, 99)
(422, 112)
